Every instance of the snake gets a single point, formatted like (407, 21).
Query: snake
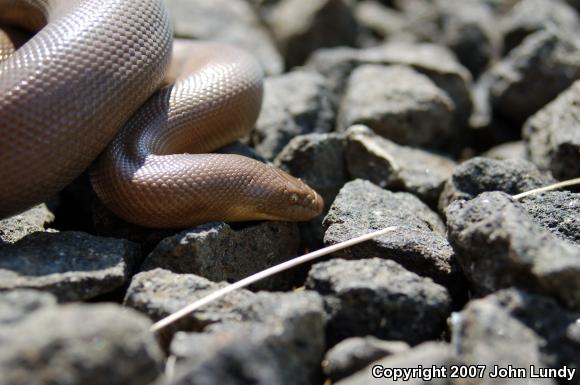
(102, 86)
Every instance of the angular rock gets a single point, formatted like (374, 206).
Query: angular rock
(557, 212)
(552, 136)
(426, 355)
(317, 159)
(500, 245)
(301, 27)
(530, 16)
(436, 62)
(380, 22)
(533, 74)
(505, 151)
(419, 243)
(353, 354)
(15, 305)
(219, 252)
(73, 266)
(79, 345)
(514, 327)
(388, 165)
(469, 31)
(158, 293)
(226, 21)
(284, 348)
(295, 103)
(18, 226)
(380, 298)
(398, 103)
(481, 174)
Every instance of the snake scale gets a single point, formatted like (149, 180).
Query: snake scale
(90, 90)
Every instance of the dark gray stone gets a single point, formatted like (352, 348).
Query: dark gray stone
(18, 226)
(500, 245)
(533, 74)
(530, 16)
(15, 305)
(281, 342)
(513, 327)
(295, 103)
(511, 150)
(227, 21)
(72, 265)
(301, 27)
(552, 136)
(468, 29)
(434, 61)
(380, 298)
(419, 243)
(426, 355)
(399, 104)
(353, 354)
(478, 175)
(159, 293)
(557, 212)
(219, 252)
(79, 345)
(317, 159)
(388, 165)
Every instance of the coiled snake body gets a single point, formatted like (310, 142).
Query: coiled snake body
(90, 80)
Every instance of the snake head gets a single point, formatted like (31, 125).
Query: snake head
(290, 199)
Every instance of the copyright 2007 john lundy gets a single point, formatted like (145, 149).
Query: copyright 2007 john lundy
(428, 373)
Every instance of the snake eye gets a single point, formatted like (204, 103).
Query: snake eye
(294, 198)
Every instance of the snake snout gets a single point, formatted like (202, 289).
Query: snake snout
(297, 200)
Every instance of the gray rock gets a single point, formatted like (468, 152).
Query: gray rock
(295, 103)
(380, 22)
(399, 104)
(282, 347)
(219, 252)
(353, 354)
(79, 345)
(552, 136)
(419, 243)
(159, 293)
(557, 212)
(533, 74)
(513, 327)
(500, 245)
(380, 298)
(426, 355)
(226, 21)
(468, 29)
(530, 16)
(72, 265)
(18, 226)
(388, 165)
(15, 305)
(434, 61)
(301, 27)
(511, 150)
(482, 174)
(317, 159)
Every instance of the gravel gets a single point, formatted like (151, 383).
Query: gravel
(419, 243)
(400, 168)
(500, 245)
(552, 137)
(219, 252)
(398, 103)
(73, 266)
(31, 221)
(79, 344)
(380, 298)
(295, 103)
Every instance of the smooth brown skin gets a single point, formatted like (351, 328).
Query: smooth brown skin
(89, 73)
